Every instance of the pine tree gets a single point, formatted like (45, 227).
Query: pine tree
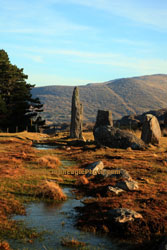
(17, 107)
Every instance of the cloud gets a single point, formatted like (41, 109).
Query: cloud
(36, 17)
(131, 42)
(69, 53)
(36, 58)
(149, 13)
(141, 65)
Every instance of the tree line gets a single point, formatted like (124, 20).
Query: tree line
(18, 109)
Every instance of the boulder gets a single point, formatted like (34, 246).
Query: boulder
(129, 121)
(122, 174)
(95, 167)
(136, 121)
(128, 185)
(151, 132)
(76, 116)
(122, 215)
(104, 118)
(117, 138)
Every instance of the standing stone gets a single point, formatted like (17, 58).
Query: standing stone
(76, 115)
(151, 132)
(104, 118)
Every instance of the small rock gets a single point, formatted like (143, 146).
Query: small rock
(129, 149)
(128, 185)
(115, 190)
(95, 167)
(122, 215)
(122, 174)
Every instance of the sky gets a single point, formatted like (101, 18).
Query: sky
(75, 42)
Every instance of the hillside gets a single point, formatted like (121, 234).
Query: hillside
(123, 96)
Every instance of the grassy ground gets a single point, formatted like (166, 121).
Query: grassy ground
(24, 170)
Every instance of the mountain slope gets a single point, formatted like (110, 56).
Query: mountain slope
(123, 96)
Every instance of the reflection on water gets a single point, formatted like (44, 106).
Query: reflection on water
(44, 146)
(58, 220)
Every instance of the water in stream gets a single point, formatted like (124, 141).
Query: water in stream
(59, 220)
(44, 146)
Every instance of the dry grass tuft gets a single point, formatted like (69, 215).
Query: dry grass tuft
(51, 190)
(4, 246)
(49, 161)
(82, 181)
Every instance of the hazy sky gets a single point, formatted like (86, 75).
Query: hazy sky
(80, 41)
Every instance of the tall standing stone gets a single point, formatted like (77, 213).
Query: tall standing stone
(151, 132)
(104, 118)
(76, 116)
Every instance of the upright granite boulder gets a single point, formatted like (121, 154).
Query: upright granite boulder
(76, 116)
(117, 138)
(104, 117)
(151, 131)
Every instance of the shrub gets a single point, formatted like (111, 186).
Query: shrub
(82, 181)
(49, 161)
(51, 190)
(4, 246)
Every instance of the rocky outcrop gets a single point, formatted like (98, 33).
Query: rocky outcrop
(151, 132)
(122, 215)
(76, 115)
(116, 138)
(104, 118)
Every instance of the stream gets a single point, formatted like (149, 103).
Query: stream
(58, 220)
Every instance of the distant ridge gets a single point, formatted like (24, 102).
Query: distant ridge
(123, 96)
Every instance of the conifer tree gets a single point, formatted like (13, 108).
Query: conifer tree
(17, 107)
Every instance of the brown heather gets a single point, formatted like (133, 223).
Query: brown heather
(26, 178)
(49, 161)
(50, 190)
